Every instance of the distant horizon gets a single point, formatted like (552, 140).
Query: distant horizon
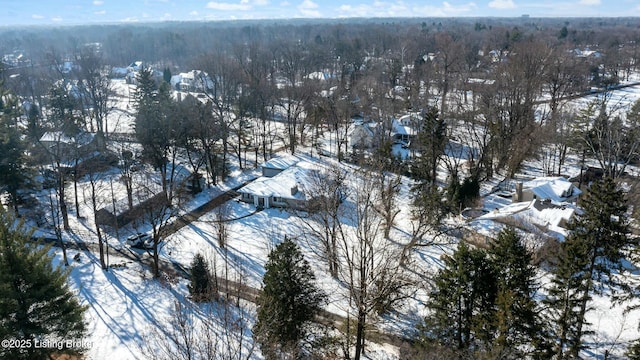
(21, 13)
(312, 20)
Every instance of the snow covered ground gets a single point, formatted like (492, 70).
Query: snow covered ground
(126, 306)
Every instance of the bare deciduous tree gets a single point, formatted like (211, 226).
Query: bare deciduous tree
(213, 331)
(371, 269)
(325, 209)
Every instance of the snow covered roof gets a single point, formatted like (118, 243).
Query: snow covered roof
(318, 75)
(59, 137)
(402, 129)
(533, 216)
(481, 81)
(295, 177)
(362, 127)
(281, 162)
(556, 189)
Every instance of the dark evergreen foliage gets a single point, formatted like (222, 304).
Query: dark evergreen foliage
(462, 302)
(430, 141)
(13, 168)
(201, 282)
(482, 303)
(288, 302)
(152, 119)
(590, 258)
(463, 195)
(166, 75)
(36, 304)
(518, 326)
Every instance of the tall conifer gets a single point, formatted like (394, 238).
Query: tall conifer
(288, 302)
(36, 303)
(590, 257)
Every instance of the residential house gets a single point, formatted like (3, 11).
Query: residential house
(66, 147)
(283, 184)
(555, 189)
(536, 221)
(319, 75)
(362, 135)
(192, 81)
(587, 53)
(278, 164)
(405, 129)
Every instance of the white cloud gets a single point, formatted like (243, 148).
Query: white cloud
(590, 2)
(101, 12)
(228, 6)
(194, 13)
(502, 4)
(37, 16)
(98, 2)
(308, 4)
(308, 8)
(399, 8)
(56, 19)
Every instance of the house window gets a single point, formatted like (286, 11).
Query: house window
(277, 199)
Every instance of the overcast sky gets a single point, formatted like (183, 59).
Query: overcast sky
(69, 12)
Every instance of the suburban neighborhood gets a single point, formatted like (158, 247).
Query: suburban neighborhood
(403, 188)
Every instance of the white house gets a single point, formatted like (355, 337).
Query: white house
(361, 135)
(283, 184)
(404, 129)
(194, 80)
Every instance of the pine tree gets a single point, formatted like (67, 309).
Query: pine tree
(517, 324)
(154, 124)
(12, 147)
(288, 302)
(35, 301)
(201, 285)
(431, 141)
(590, 254)
(462, 302)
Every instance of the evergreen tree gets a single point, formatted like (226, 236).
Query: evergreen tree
(462, 302)
(201, 286)
(518, 327)
(288, 302)
(166, 75)
(589, 256)
(431, 141)
(465, 194)
(154, 122)
(35, 301)
(12, 147)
